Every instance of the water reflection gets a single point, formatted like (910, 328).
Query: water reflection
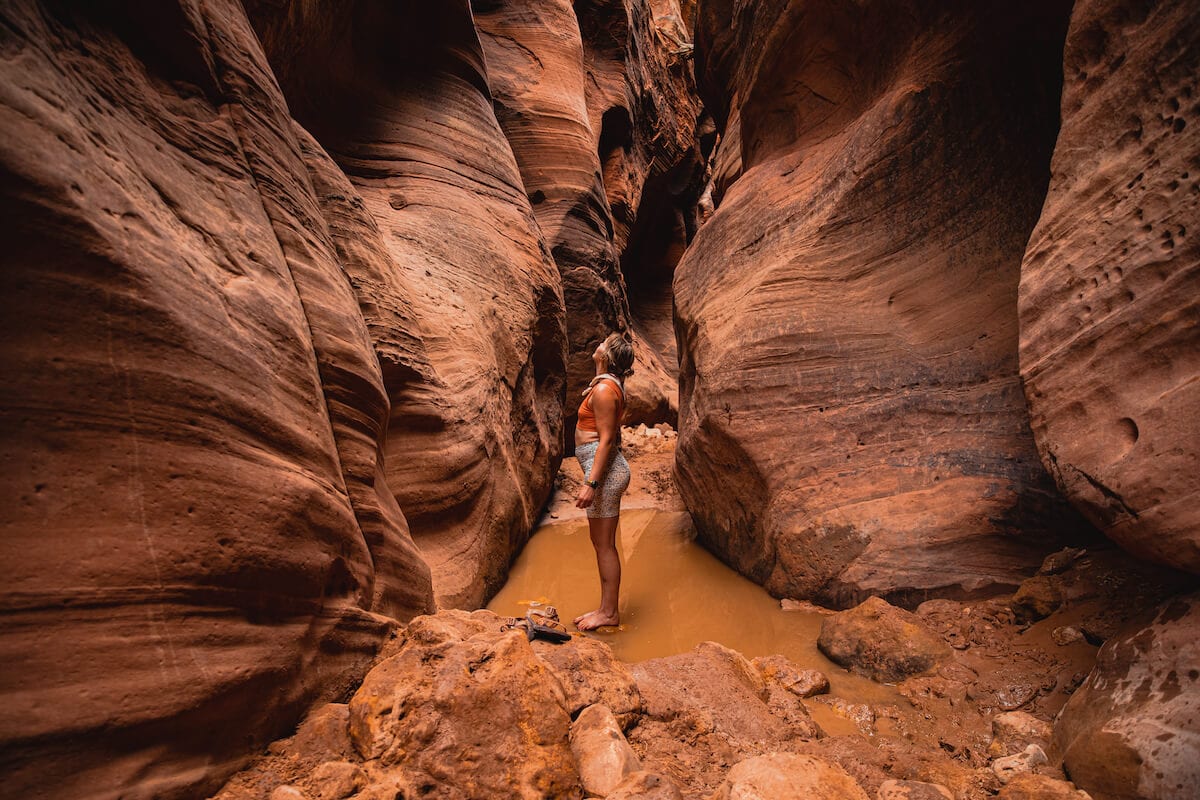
(674, 595)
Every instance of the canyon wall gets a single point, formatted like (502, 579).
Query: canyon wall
(598, 101)
(457, 286)
(1110, 287)
(852, 419)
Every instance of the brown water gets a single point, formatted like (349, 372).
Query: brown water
(674, 595)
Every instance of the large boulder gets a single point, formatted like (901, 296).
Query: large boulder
(786, 776)
(851, 415)
(456, 284)
(199, 533)
(477, 716)
(882, 642)
(1110, 286)
(1132, 730)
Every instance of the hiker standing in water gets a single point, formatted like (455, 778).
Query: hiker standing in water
(605, 470)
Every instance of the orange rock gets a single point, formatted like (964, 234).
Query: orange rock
(881, 641)
(851, 415)
(1110, 287)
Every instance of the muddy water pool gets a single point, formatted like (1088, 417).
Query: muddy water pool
(674, 595)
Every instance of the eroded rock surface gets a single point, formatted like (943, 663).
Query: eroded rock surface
(851, 418)
(193, 411)
(881, 641)
(456, 285)
(1133, 728)
(1110, 287)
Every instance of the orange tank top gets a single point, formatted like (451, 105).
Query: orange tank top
(587, 417)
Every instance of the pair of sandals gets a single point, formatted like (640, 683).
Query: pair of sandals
(540, 624)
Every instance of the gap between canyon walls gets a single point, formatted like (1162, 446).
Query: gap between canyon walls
(852, 420)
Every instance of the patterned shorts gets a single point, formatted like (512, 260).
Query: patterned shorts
(607, 502)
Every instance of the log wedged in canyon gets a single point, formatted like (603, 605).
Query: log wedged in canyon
(599, 105)
(851, 416)
(193, 412)
(456, 285)
(1110, 287)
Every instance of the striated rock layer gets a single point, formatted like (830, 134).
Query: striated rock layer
(602, 116)
(1110, 287)
(457, 287)
(192, 411)
(852, 421)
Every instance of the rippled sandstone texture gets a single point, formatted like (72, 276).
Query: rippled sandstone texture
(207, 330)
(602, 115)
(1110, 287)
(456, 285)
(851, 417)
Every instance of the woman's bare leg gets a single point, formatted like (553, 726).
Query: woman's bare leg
(604, 540)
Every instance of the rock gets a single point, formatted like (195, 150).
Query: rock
(704, 711)
(1009, 766)
(912, 790)
(600, 750)
(881, 641)
(1101, 288)
(465, 309)
(1013, 731)
(1031, 786)
(590, 674)
(324, 732)
(788, 604)
(802, 683)
(337, 779)
(199, 416)
(891, 202)
(1133, 728)
(1066, 634)
(785, 776)
(287, 793)
(482, 714)
(645, 785)
(1037, 598)
(1060, 562)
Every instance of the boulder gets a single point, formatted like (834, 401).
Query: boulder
(481, 716)
(851, 415)
(785, 776)
(881, 641)
(336, 780)
(1110, 284)
(1008, 767)
(801, 682)
(912, 790)
(1132, 729)
(645, 785)
(590, 674)
(1031, 786)
(1037, 598)
(601, 752)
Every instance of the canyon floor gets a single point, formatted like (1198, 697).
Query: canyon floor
(458, 707)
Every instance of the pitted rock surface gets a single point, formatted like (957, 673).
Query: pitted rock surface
(1110, 285)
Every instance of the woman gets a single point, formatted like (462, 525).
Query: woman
(605, 470)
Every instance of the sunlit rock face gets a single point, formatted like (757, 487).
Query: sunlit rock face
(457, 287)
(198, 531)
(598, 102)
(1110, 287)
(852, 420)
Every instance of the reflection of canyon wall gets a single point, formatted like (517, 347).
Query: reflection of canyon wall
(458, 290)
(1110, 289)
(852, 421)
(602, 117)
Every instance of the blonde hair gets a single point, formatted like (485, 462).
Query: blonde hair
(620, 355)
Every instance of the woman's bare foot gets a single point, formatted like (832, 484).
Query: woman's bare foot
(596, 619)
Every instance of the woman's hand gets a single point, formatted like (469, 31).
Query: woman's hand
(585, 497)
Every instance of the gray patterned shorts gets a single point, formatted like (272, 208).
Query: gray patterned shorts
(607, 502)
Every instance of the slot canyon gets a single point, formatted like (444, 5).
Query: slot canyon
(300, 300)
